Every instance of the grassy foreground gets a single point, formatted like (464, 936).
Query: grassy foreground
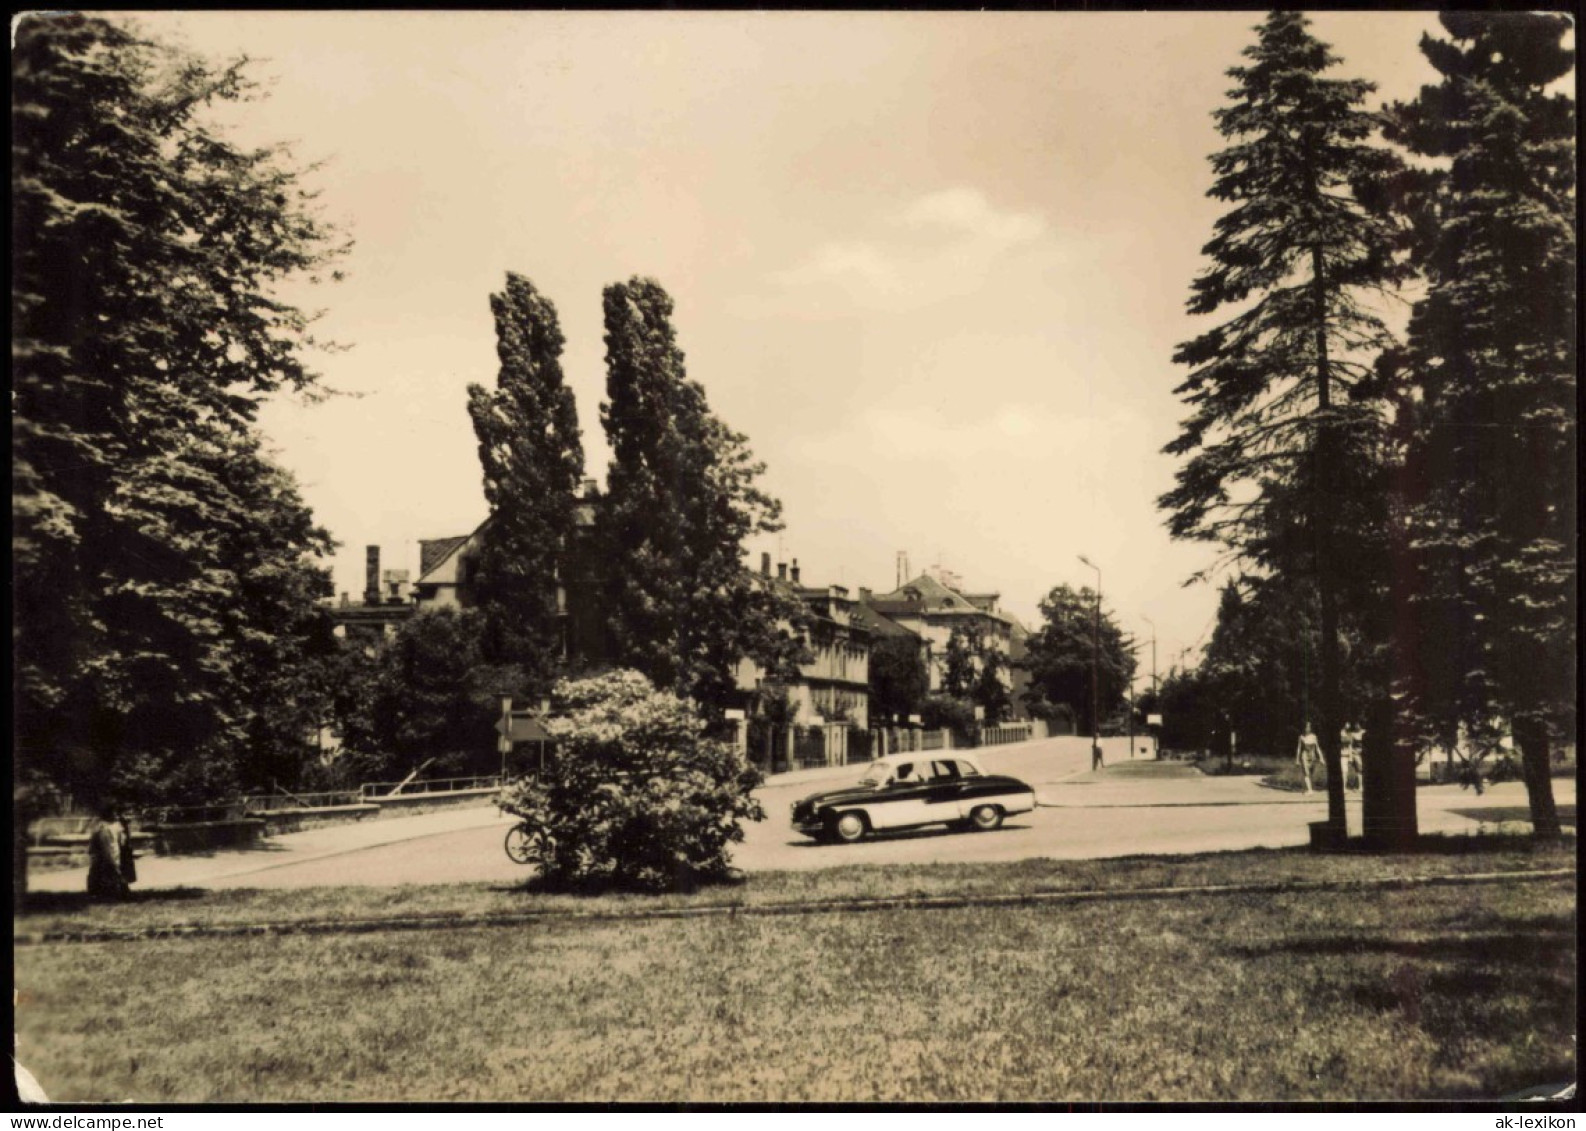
(49, 912)
(1424, 993)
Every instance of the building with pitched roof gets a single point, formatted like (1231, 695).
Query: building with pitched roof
(933, 608)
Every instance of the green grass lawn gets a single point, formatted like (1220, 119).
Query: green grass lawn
(1438, 992)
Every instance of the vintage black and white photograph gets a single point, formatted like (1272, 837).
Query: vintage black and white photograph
(794, 557)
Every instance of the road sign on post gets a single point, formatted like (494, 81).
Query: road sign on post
(504, 729)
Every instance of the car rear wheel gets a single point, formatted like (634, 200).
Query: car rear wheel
(848, 827)
(986, 817)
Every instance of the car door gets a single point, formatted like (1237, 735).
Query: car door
(946, 793)
(902, 801)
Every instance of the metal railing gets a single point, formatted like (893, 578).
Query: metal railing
(277, 802)
(377, 789)
(809, 748)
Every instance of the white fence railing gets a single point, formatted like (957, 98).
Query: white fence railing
(374, 790)
(1011, 732)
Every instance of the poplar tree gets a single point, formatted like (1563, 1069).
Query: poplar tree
(1488, 377)
(1278, 414)
(530, 450)
(682, 495)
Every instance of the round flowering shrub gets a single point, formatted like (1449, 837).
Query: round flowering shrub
(635, 796)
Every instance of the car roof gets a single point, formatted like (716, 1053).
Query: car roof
(911, 756)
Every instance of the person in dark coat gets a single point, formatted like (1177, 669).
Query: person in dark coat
(129, 863)
(105, 842)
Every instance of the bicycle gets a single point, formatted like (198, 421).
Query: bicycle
(522, 844)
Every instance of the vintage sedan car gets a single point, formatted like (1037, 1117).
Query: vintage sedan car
(906, 791)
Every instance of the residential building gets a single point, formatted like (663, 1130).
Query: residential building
(834, 686)
(933, 609)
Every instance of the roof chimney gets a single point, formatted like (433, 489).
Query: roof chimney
(864, 594)
(371, 575)
(795, 571)
(781, 571)
(765, 565)
(903, 568)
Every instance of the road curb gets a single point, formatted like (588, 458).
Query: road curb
(813, 907)
(1183, 804)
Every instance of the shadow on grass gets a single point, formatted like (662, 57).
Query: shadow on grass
(1534, 945)
(1566, 814)
(79, 902)
(682, 883)
(1467, 844)
(1496, 994)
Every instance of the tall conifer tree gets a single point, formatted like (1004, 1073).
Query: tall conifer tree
(1274, 429)
(532, 456)
(1490, 377)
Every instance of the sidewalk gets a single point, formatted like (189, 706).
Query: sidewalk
(284, 850)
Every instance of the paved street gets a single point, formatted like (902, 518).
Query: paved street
(1131, 807)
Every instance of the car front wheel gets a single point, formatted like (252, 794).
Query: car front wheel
(986, 817)
(849, 827)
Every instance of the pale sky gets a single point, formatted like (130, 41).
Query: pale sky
(933, 265)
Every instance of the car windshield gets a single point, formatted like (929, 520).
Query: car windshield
(878, 773)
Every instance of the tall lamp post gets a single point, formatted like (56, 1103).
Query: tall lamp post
(1095, 670)
(1156, 695)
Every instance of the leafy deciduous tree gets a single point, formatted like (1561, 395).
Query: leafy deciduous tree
(1059, 654)
(164, 568)
(899, 681)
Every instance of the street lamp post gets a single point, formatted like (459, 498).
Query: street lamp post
(1156, 695)
(1095, 670)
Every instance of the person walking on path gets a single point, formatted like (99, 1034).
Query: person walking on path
(129, 860)
(1308, 755)
(106, 843)
(1349, 742)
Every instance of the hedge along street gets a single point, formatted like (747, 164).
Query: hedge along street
(804, 907)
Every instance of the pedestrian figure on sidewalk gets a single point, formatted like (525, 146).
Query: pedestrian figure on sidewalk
(1308, 755)
(1095, 756)
(129, 863)
(105, 840)
(1349, 755)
